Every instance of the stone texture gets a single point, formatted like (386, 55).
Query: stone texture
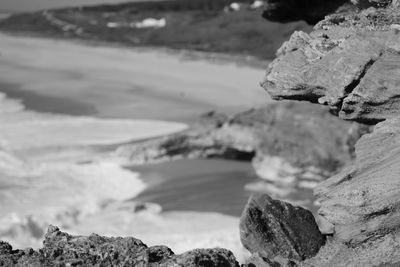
(363, 200)
(62, 249)
(203, 258)
(311, 11)
(383, 252)
(349, 62)
(277, 230)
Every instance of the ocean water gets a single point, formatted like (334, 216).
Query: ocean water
(61, 121)
(197, 185)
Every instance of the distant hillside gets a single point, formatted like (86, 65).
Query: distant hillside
(200, 25)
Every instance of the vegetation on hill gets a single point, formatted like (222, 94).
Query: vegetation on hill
(201, 25)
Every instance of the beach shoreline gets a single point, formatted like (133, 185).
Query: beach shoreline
(58, 155)
(144, 83)
(183, 54)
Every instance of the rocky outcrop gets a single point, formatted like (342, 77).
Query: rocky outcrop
(302, 135)
(363, 201)
(62, 249)
(292, 146)
(349, 62)
(310, 11)
(276, 230)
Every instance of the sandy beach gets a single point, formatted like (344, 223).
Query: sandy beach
(127, 83)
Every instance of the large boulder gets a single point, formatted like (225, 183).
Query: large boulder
(349, 62)
(277, 230)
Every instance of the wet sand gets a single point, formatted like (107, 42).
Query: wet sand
(197, 185)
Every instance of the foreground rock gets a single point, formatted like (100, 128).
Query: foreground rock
(277, 230)
(349, 62)
(62, 249)
(363, 200)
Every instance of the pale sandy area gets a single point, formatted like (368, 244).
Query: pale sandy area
(128, 83)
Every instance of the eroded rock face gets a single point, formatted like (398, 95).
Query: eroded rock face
(349, 62)
(277, 230)
(363, 200)
(62, 249)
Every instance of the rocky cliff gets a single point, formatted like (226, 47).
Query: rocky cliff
(351, 63)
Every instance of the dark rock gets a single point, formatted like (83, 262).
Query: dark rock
(310, 11)
(276, 229)
(62, 249)
(203, 258)
(256, 260)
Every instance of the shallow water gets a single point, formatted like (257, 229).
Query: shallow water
(48, 104)
(197, 185)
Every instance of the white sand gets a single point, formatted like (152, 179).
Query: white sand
(128, 83)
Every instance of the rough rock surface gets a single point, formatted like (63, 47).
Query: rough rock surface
(275, 229)
(310, 11)
(349, 62)
(363, 201)
(383, 252)
(62, 249)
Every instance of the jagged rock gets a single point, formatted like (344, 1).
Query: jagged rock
(277, 230)
(311, 11)
(363, 200)
(204, 258)
(383, 252)
(62, 249)
(349, 62)
(256, 260)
